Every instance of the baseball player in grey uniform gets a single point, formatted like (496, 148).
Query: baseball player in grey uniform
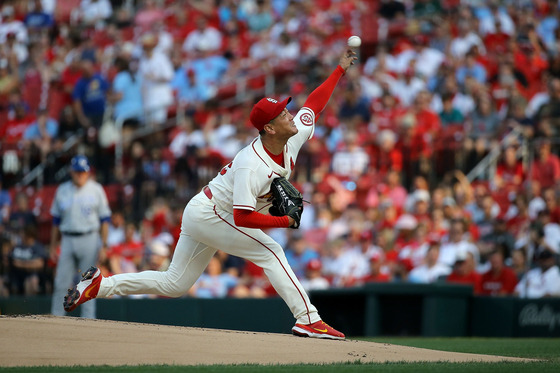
(230, 213)
(80, 211)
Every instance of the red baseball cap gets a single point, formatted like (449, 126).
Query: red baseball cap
(266, 110)
(314, 265)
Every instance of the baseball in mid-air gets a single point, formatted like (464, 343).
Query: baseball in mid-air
(354, 41)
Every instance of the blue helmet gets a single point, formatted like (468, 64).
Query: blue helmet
(80, 163)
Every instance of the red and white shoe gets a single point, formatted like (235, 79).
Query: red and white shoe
(85, 290)
(318, 329)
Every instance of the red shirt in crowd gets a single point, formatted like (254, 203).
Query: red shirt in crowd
(380, 277)
(471, 278)
(129, 250)
(384, 161)
(13, 130)
(510, 173)
(546, 172)
(427, 122)
(498, 284)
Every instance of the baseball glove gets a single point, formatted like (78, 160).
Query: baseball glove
(287, 200)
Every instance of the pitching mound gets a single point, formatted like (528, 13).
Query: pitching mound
(49, 340)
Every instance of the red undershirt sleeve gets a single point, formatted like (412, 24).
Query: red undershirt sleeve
(253, 219)
(319, 98)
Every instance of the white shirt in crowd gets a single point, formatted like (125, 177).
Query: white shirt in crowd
(208, 39)
(93, 11)
(407, 91)
(350, 162)
(427, 64)
(537, 284)
(318, 283)
(449, 251)
(462, 44)
(156, 72)
(488, 24)
(184, 139)
(462, 102)
(426, 275)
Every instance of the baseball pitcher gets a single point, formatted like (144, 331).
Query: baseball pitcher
(231, 211)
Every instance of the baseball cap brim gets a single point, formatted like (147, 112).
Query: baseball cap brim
(80, 169)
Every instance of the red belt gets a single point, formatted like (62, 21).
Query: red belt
(207, 191)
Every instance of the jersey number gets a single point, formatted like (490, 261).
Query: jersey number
(224, 170)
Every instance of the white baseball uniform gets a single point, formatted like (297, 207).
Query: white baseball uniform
(208, 225)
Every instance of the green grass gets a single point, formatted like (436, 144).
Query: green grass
(536, 348)
(548, 350)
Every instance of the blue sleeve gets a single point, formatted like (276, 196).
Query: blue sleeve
(52, 127)
(178, 80)
(56, 220)
(119, 82)
(29, 132)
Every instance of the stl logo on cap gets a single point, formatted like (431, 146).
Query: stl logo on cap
(272, 100)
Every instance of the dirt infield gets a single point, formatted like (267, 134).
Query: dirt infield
(49, 340)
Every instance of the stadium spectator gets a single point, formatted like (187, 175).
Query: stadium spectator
(499, 279)
(543, 281)
(432, 270)
(126, 256)
(545, 168)
(509, 171)
(378, 272)
(15, 51)
(260, 18)
(299, 254)
(158, 256)
(28, 260)
(90, 95)
(13, 129)
(38, 139)
(464, 271)
(354, 108)
(116, 233)
(204, 37)
(449, 115)
(351, 161)
(465, 40)
(38, 21)
(95, 12)
(209, 69)
(456, 244)
(127, 92)
(471, 68)
(496, 19)
(149, 13)
(213, 283)
(313, 280)
(155, 72)
(11, 25)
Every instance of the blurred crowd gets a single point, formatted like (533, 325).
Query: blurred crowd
(441, 86)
